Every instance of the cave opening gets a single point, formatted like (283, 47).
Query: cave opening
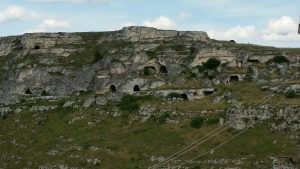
(136, 88)
(28, 91)
(37, 47)
(208, 92)
(184, 96)
(113, 88)
(44, 93)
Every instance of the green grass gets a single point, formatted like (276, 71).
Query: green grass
(131, 144)
(130, 103)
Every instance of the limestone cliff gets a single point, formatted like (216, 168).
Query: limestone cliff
(144, 74)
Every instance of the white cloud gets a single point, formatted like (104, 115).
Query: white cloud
(51, 24)
(237, 32)
(15, 12)
(127, 24)
(282, 29)
(162, 22)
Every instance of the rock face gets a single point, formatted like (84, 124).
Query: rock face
(129, 61)
(106, 88)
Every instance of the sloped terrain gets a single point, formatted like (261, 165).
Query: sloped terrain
(131, 98)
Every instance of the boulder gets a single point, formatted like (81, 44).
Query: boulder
(89, 102)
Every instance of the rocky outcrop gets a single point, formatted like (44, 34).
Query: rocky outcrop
(130, 61)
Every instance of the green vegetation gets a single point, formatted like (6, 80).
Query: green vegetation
(200, 68)
(291, 94)
(280, 59)
(149, 71)
(179, 48)
(117, 139)
(130, 103)
(212, 120)
(211, 64)
(98, 56)
(197, 122)
(151, 54)
(163, 118)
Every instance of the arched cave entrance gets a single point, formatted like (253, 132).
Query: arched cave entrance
(163, 69)
(28, 91)
(113, 88)
(44, 93)
(37, 47)
(149, 70)
(234, 78)
(208, 92)
(184, 96)
(136, 88)
(254, 60)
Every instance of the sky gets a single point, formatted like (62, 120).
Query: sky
(264, 22)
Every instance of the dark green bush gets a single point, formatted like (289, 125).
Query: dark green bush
(212, 120)
(211, 64)
(163, 118)
(200, 69)
(131, 103)
(291, 94)
(149, 71)
(197, 122)
(280, 59)
(97, 56)
(151, 54)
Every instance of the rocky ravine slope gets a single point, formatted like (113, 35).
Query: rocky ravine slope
(129, 98)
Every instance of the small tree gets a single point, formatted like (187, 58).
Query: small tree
(291, 94)
(280, 59)
(197, 122)
(211, 64)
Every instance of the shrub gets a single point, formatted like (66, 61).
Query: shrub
(291, 94)
(149, 71)
(130, 103)
(212, 120)
(200, 69)
(151, 54)
(197, 122)
(280, 59)
(97, 56)
(163, 118)
(211, 64)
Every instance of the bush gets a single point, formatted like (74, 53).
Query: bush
(211, 64)
(200, 69)
(149, 71)
(163, 118)
(280, 59)
(197, 122)
(212, 120)
(97, 56)
(291, 94)
(130, 103)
